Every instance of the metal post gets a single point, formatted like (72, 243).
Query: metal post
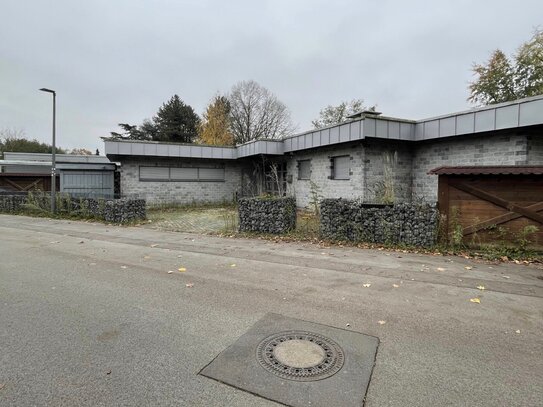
(54, 160)
(53, 155)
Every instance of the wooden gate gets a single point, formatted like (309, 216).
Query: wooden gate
(23, 182)
(492, 204)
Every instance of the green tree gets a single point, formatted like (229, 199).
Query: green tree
(529, 67)
(176, 121)
(495, 81)
(331, 115)
(214, 128)
(502, 79)
(16, 142)
(130, 132)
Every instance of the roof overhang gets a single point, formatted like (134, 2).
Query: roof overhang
(489, 170)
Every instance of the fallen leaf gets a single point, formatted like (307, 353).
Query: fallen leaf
(505, 258)
(170, 271)
(468, 267)
(475, 300)
(395, 285)
(381, 322)
(440, 269)
(154, 245)
(481, 287)
(232, 265)
(366, 285)
(189, 285)
(517, 331)
(182, 269)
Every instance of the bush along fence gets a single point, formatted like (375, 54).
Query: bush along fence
(109, 210)
(405, 223)
(267, 215)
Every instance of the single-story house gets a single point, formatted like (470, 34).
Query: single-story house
(368, 157)
(79, 175)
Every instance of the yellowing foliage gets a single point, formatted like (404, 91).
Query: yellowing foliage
(215, 127)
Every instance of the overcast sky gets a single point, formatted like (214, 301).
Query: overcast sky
(114, 61)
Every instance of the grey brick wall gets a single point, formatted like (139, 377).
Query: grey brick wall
(321, 174)
(374, 169)
(181, 192)
(535, 150)
(367, 170)
(470, 150)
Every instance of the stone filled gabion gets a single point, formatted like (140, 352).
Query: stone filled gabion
(110, 210)
(11, 203)
(404, 223)
(268, 215)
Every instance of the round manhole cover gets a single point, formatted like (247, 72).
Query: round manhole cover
(300, 355)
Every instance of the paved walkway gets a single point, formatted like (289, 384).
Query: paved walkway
(101, 315)
(200, 220)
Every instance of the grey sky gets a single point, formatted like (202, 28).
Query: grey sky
(118, 61)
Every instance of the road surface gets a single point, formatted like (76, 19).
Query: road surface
(91, 316)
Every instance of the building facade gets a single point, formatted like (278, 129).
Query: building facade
(370, 157)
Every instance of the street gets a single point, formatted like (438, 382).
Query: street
(101, 315)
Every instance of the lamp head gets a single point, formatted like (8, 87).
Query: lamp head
(48, 90)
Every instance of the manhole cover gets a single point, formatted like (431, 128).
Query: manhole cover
(299, 355)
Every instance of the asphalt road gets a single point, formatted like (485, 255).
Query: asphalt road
(90, 316)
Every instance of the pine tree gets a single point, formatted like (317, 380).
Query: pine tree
(176, 121)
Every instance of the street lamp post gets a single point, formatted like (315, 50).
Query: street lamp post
(53, 155)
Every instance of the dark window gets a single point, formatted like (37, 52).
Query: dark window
(194, 174)
(341, 167)
(154, 174)
(304, 169)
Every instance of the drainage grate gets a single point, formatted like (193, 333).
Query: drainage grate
(300, 356)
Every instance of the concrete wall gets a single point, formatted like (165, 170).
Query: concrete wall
(468, 150)
(181, 192)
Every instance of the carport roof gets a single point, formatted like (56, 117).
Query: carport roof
(489, 170)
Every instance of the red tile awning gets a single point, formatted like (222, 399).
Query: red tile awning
(489, 170)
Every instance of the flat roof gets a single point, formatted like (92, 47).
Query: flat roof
(60, 158)
(522, 113)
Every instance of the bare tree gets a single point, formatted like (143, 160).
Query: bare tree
(257, 114)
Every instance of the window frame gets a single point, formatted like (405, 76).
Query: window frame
(333, 167)
(308, 161)
(197, 179)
